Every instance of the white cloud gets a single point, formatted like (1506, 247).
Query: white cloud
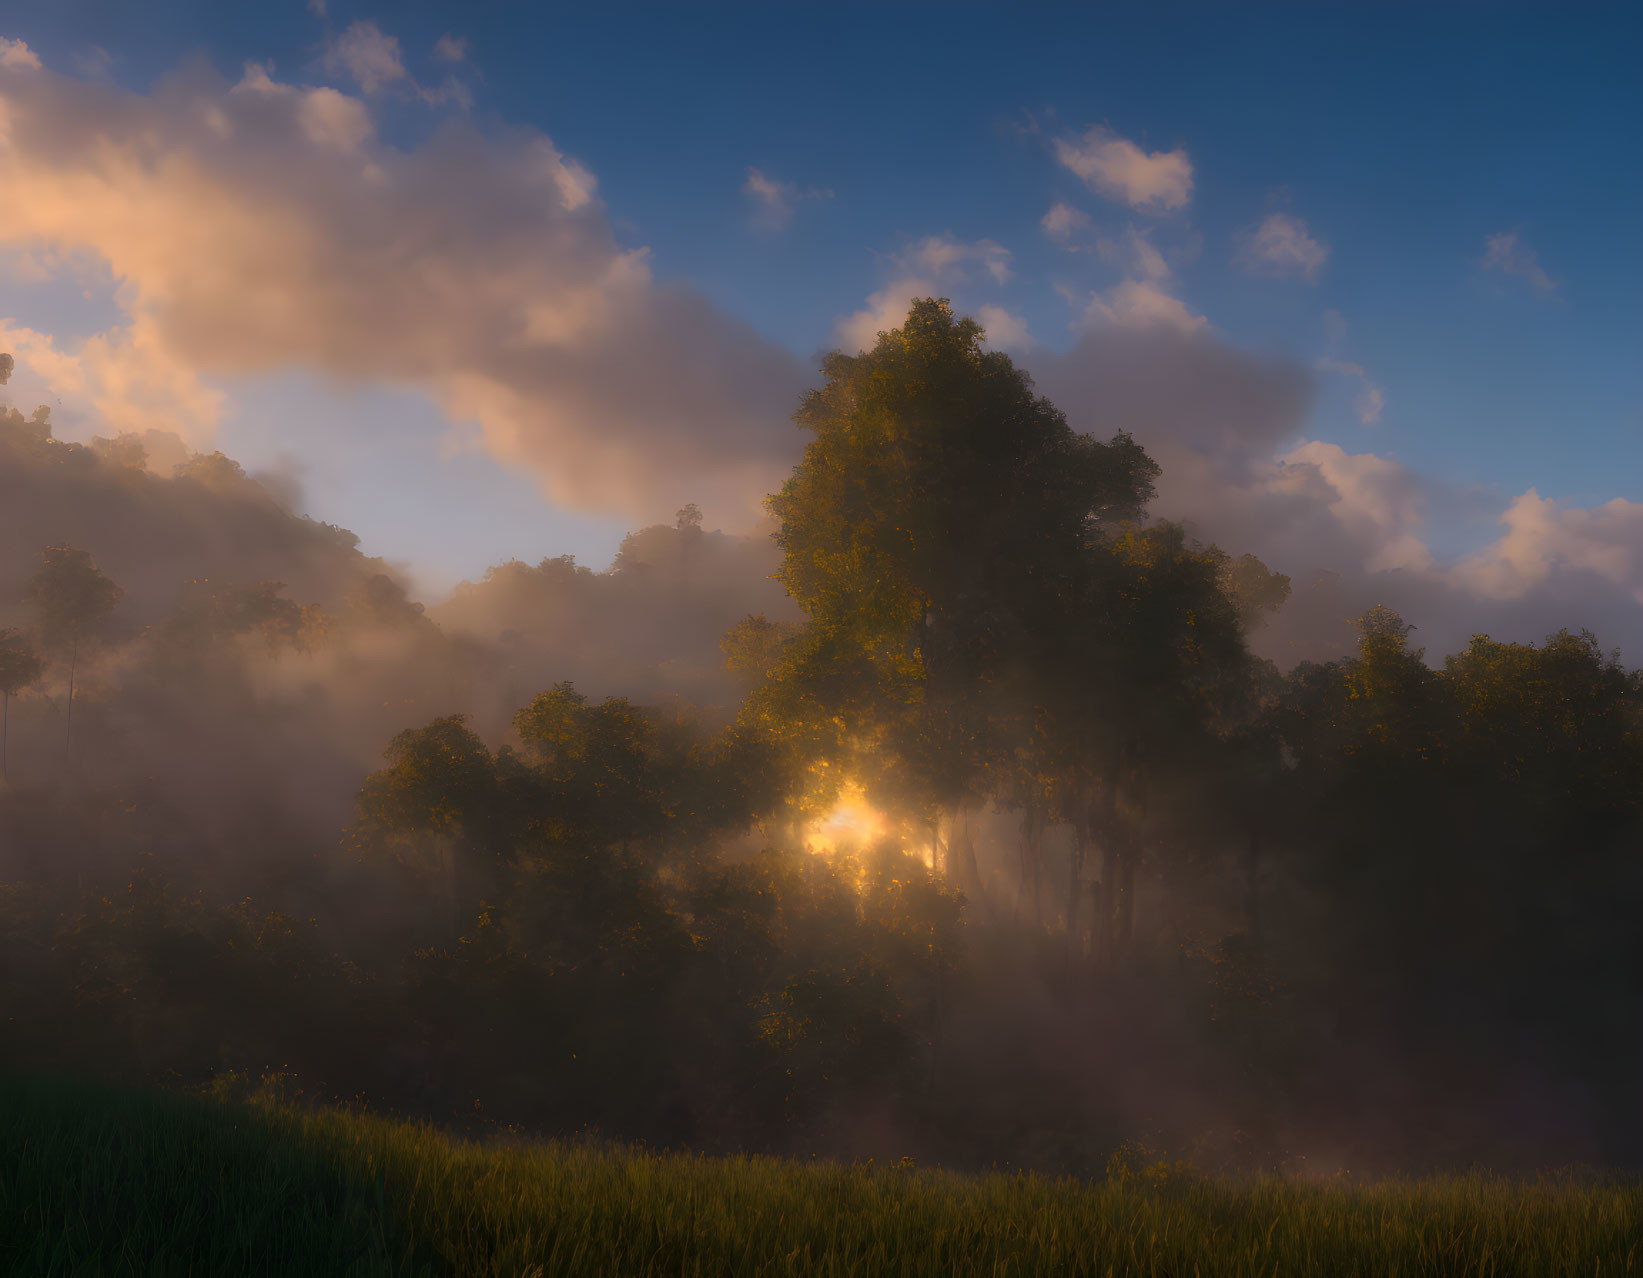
(776, 201)
(1064, 223)
(449, 48)
(369, 55)
(944, 256)
(1282, 245)
(928, 268)
(1543, 537)
(14, 53)
(1510, 254)
(1135, 252)
(1230, 430)
(1006, 330)
(1376, 500)
(126, 379)
(885, 310)
(1116, 169)
(334, 119)
(262, 227)
(1142, 304)
(373, 58)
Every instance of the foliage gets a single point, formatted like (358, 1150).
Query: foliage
(117, 1183)
(1375, 904)
(71, 597)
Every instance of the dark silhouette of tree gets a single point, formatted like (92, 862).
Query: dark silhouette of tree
(931, 535)
(19, 668)
(73, 602)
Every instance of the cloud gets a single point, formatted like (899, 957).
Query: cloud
(1135, 252)
(1142, 304)
(1230, 429)
(367, 54)
(1282, 245)
(928, 268)
(449, 48)
(775, 201)
(1179, 389)
(1005, 329)
(1509, 253)
(1064, 223)
(260, 744)
(1543, 537)
(16, 54)
(1116, 169)
(374, 61)
(945, 256)
(1369, 401)
(126, 379)
(333, 119)
(885, 310)
(1377, 501)
(263, 226)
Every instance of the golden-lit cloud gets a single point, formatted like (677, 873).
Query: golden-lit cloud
(1543, 537)
(1142, 303)
(259, 226)
(1118, 170)
(125, 379)
(927, 267)
(1006, 330)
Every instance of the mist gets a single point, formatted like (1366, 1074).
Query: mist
(1045, 723)
(963, 956)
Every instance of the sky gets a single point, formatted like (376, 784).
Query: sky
(498, 280)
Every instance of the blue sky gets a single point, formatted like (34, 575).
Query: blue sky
(1401, 138)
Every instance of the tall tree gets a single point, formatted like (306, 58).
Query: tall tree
(932, 534)
(73, 601)
(19, 667)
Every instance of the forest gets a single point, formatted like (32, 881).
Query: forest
(954, 820)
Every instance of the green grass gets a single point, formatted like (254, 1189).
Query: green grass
(103, 1182)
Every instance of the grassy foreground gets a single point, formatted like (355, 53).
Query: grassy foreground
(102, 1182)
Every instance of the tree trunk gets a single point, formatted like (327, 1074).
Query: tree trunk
(68, 729)
(5, 738)
(1106, 915)
(1134, 849)
(1252, 883)
(1106, 940)
(1126, 902)
(456, 892)
(1075, 887)
(1032, 862)
(961, 857)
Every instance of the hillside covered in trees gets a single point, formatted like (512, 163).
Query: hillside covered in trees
(957, 820)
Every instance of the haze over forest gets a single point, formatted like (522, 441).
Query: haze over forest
(1024, 713)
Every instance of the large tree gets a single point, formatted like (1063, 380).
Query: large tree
(19, 667)
(73, 600)
(933, 534)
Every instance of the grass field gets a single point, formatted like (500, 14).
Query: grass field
(103, 1182)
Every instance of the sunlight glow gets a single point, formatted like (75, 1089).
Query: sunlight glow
(851, 822)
